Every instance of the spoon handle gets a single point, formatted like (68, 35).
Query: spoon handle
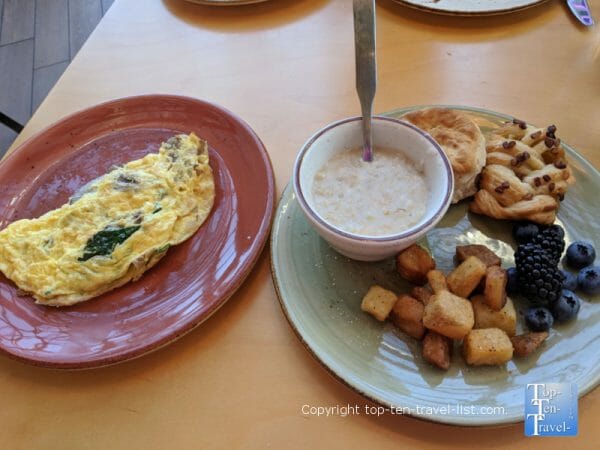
(366, 67)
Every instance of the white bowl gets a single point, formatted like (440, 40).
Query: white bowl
(390, 133)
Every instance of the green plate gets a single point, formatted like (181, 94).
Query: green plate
(320, 292)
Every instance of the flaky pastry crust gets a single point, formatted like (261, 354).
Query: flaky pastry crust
(526, 174)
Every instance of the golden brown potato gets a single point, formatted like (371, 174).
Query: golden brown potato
(449, 315)
(413, 264)
(495, 287)
(437, 350)
(480, 287)
(423, 294)
(487, 346)
(486, 317)
(527, 343)
(463, 280)
(407, 314)
(378, 302)
(437, 280)
(485, 255)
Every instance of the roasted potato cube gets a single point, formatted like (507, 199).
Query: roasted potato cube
(437, 280)
(437, 349)
(527, 343)
(449, 315)
(485, 255)
(407, 314)
(495, 287)
(487, 346)
(378, 302)
(413, 264)
(465, 278)
(480, 287)
(486, 317)
(422, 294)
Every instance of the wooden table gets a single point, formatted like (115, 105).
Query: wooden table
(241, 379)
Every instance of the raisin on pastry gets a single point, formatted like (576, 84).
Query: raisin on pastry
(526, 174)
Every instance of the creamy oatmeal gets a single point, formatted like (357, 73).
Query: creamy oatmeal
(382, 197)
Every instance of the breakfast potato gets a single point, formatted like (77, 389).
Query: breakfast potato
(487, 346)
(480, 287)
(449, 315)
(484, 254)
(463, 280)
(486, 317)
(378, 302)
(527, 343)
(407, 314)
(495, 287)
(413, 264)
(421, 293)
(437, 280)
(437, 349)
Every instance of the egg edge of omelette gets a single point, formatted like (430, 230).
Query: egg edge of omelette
(135, 213)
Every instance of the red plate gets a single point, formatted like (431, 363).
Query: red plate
(190, 283)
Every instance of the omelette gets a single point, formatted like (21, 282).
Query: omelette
(114, 228)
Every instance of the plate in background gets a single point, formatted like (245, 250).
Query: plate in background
(470, 7)
(190, 283)
(225, 2)
(320, 293)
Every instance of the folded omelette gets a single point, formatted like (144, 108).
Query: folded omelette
(114, 228)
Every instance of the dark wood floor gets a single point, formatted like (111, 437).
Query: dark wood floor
(38, 39)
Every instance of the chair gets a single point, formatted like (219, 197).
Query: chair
(10, 123)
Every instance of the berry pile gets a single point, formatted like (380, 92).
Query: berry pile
(537, 276)
(552, 241)
(581, 256)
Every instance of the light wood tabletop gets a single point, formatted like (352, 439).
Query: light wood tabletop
(287, 67)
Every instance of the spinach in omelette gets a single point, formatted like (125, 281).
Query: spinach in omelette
(114, 228)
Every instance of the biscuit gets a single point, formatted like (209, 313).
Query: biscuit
(462, 141)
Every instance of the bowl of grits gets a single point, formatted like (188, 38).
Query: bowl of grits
(370, 211)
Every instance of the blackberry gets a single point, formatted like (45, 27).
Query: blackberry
(539, 277)
(552, 241)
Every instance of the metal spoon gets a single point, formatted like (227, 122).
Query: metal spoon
(366, 67)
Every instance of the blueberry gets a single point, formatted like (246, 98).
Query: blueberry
(525, 232)
(570, 281)
(512, 285)
(580, 254)
(566, 307)
(589, 280)
(538, 319)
